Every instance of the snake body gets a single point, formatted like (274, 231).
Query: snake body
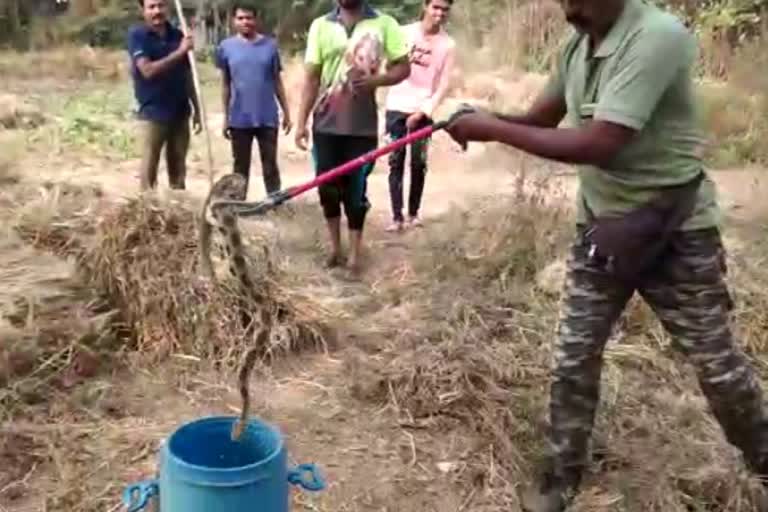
(232, 188)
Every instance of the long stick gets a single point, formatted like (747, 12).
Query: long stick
(198, 92)
(248, 209)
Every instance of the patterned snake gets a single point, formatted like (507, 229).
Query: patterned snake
(231, 189)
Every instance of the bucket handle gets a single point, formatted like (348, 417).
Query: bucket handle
(146, 490)
(296, 477)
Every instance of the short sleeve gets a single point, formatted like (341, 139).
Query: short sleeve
(653, 59)
(220, 57)
(137, 45)
(395, 40)
(313, 54)
(555, 86)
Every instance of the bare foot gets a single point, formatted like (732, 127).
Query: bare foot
(355, 271)
(334, 260)
(395, 227)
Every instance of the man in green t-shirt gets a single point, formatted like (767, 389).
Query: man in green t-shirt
(624, 85)
(345, 53)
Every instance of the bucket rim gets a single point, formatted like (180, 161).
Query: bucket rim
(184, 465)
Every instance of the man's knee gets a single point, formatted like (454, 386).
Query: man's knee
(154, 137)
(268, 151)
(241, 151)
(271, 173)
(355, 200)
(577, 353)
(330, 200)
(178, 141)
(587, 317)
(177, 172)
(715, 356)
(419, 155)
(397, 162)
(356, 218)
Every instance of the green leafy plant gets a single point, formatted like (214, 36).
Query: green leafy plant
(98, 121)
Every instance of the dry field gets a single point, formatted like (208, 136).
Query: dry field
(420, 389)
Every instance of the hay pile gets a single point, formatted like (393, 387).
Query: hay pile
(54, 331)
(59, 217)
(476, 355)
(137, 285)
(145, 261)
(476, 360)
(70, 435)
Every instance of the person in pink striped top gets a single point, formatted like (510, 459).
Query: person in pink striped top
(411, 104)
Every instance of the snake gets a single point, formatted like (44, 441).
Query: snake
(231, 190)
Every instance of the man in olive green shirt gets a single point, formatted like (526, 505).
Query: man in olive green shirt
(624, 86)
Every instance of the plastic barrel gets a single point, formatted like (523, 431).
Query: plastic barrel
(203, 470)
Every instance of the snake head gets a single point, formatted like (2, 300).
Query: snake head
(230, 187)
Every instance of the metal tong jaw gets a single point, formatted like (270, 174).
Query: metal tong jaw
(464, 108)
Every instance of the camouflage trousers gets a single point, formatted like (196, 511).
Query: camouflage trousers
(688, 294)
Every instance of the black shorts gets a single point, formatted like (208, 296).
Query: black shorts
(330, 151)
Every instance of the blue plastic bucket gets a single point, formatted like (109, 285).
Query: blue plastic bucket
(203, 470)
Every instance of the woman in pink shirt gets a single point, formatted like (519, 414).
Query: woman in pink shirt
(411, 104)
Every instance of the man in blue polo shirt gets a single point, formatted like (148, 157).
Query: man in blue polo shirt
(164, 90)
(251, 83)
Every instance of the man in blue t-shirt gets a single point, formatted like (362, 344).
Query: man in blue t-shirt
(164, 89)
(251, 82)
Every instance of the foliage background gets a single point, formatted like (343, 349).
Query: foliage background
(498, 40)
(26, 23)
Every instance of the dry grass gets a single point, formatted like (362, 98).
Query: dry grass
(17, 113)
(146, 261)
(10, 149)
(51, 214)
(504, 53)
(103, 434)
(473, 359)
(735, 108)
(56, 331)
(140, 259)
(464, 347)
(477, 354)
(54, 345)
(507, 52)
(518, 34)
(749, 282)
(64, 63)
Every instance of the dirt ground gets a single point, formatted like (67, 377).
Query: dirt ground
(373, 460)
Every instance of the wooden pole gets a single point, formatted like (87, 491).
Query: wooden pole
(198, 91)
